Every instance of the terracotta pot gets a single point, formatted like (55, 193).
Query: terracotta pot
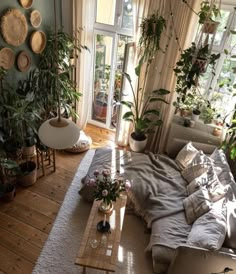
(184, 113)
(210, 27)
(137, 146)
(216, 131)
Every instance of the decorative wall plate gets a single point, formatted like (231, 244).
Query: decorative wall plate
(26, 3)
(14, 27)
(35, 18)
(38, 41)
(7, 58)
(23, 61)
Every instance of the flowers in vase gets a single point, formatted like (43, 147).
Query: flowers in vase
(107, 186)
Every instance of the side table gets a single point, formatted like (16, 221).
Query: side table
(103, 257)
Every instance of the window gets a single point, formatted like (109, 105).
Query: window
(220, 87)
(113, 29)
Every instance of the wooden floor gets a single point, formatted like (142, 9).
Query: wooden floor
(26, 222)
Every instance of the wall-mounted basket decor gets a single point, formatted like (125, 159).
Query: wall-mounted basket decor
(14, 27)
(23, 61)
(35, 18)
(38, 41)
(7, 58)
(26, 3)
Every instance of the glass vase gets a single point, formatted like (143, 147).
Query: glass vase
(105, 207)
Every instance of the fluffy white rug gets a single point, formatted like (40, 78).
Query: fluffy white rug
(61, 248)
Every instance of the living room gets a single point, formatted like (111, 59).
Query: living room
(99, 70)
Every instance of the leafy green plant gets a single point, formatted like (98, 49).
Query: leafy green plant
(207, 11)
(188, 69)
(208, 113)
(141, 113)
(54, 73)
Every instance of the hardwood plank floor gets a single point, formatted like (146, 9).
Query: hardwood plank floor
(26, 222)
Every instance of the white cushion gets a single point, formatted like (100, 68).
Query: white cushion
(199, 165)
(221, 167)
(186, 155)
(197, 204)
(209, 230)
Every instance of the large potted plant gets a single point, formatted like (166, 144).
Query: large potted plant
(56, 65)
(143, 115)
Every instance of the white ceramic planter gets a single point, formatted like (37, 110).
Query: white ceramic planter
(137, 146)
(195, 117)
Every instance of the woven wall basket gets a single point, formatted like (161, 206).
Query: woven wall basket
(14, 27)
(26, 3)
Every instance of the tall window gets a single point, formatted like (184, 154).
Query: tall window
(220, 87)
(113, 29)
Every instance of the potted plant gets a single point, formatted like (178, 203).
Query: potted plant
(142, 113)
(191, 65)
(47, 75)
(207, 12)
(8, 171)
(198, 104)
(208, 113)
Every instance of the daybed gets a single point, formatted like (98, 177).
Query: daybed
(184, 200)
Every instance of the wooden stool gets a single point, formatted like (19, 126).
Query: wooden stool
(46, 159)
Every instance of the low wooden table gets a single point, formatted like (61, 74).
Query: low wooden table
(103, 257)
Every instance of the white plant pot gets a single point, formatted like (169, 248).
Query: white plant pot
(195, 117)
(137, 146)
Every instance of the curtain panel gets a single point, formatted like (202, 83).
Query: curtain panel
(83, 19)
(177, 35)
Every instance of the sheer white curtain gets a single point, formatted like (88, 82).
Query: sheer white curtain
(140, 10)
(83, 17)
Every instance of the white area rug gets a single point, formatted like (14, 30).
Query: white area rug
(61, 248)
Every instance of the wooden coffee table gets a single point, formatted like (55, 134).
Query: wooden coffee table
(104, 256)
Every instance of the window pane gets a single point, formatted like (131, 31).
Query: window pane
(106, 11)
(122, 41)
(127, 20)
(222, 27)
(102, 76)
(222, 97)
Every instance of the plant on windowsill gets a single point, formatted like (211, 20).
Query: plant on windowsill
(142, 113)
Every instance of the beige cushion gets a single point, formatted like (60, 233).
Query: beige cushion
(230, 240)
(221, 167)
(186, 155)
(199, 165)
(83, 144)
(196, 205)
(209, 230)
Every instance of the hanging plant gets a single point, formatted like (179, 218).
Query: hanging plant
(151, 29)
(207, 12)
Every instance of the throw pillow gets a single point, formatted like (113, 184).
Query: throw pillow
(221, 167)
(209, 230)
(210, 181)
(230, 240)
(197, 183)
(186, 155)
(197, 204)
